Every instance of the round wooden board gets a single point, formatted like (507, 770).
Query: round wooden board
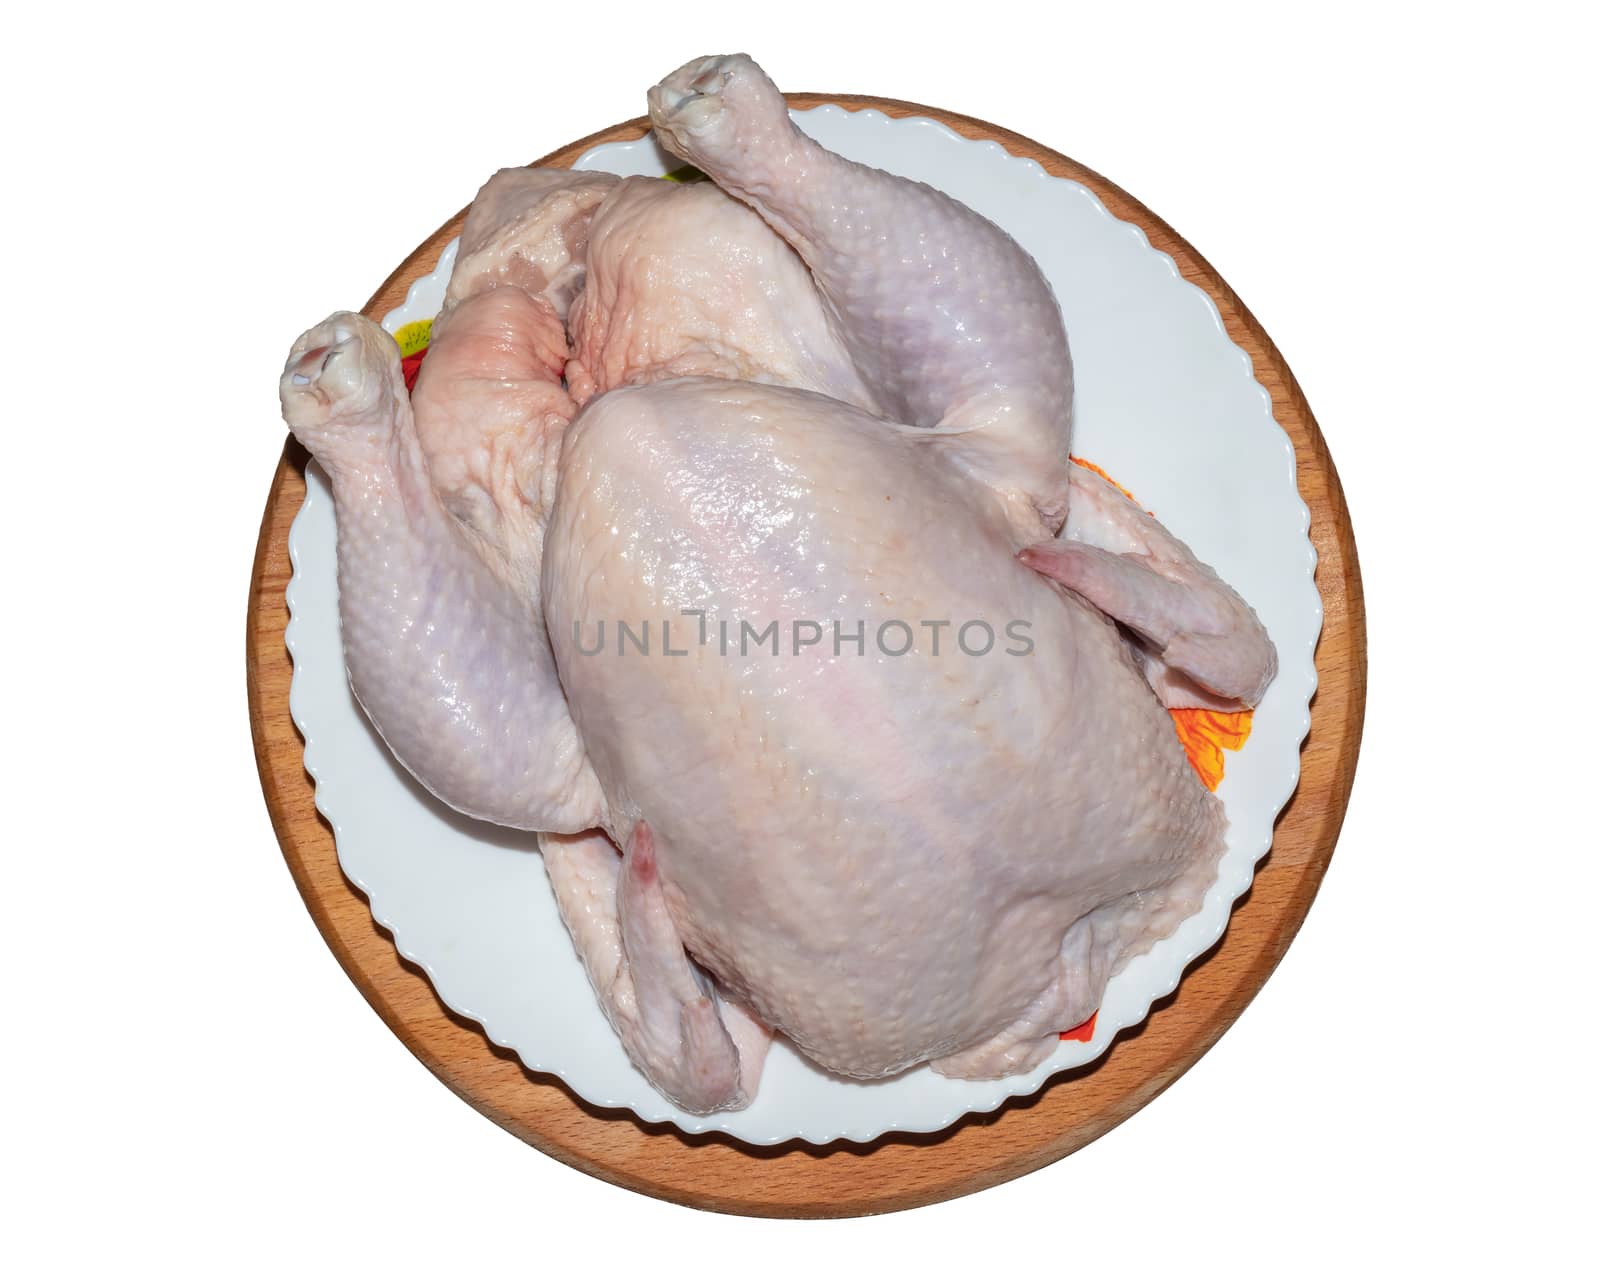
(898, 1171)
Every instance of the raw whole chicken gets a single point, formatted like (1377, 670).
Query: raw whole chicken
(730, 541)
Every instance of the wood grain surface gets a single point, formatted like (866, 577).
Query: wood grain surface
(894, 1172)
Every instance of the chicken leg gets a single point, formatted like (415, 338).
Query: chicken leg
(442, 654)
(948, 319)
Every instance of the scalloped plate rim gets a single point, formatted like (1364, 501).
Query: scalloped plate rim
(1198, 933)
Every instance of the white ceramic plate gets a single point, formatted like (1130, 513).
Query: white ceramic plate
(1165, 402)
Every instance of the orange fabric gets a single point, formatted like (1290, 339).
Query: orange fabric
(1100, 471)
(1205, 733)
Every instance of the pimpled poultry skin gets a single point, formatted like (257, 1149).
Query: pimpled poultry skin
(809, 397)
(686, 281)
(878, 853)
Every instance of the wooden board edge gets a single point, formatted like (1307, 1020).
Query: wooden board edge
(1342, 596)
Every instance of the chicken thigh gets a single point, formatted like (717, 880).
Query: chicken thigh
(443, 648)
(947, 318)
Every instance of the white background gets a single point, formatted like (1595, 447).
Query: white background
(1401, 196)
